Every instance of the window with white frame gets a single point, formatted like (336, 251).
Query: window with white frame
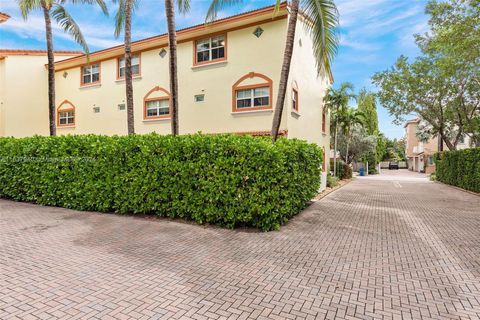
(135, 66)
(295, 100)
(253, 98)
(91, 74)
(157, 108)
(66, 117)
(210, 49)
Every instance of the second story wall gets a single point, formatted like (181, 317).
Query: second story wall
(24, 96)
(249, 61)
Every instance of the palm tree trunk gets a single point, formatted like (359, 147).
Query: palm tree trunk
(287, 58)
(51, 70)
(172, 45)
(346, 153)
(335, 150)
(128, 67)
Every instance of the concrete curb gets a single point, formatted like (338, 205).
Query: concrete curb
(326, 193)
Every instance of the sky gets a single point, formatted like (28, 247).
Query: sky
(373, 33)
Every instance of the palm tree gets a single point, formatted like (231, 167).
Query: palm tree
(336, 100)
(123, 19)
(183, 7)
(56, 9)
(323, 19)
(349, 118)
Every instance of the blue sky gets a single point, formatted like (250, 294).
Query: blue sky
(373, 34)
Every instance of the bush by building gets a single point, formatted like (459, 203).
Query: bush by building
(228, 180)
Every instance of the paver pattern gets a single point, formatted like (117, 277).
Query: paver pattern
(388, 247)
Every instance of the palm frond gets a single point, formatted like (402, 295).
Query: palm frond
(100, 3)
(323, 22)
(119, 17)
(28, 5)
(183, 6)
(68, 24)
(218, 5)
(277, 7)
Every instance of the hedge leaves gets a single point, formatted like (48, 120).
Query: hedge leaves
(228, 180)
(459, 168)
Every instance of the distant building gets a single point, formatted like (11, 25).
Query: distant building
(420, 154)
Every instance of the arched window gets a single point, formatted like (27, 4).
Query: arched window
(156, 104)
(66, 114)
(252, 92)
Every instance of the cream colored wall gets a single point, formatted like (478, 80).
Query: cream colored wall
(24, 95)
(245, 53)
(429, 147)
(411, 138)
(307, 123)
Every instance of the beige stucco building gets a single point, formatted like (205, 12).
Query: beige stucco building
(228, 74)
(419, 154)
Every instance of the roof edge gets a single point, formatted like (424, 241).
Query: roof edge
(28, 52)
(263, 10)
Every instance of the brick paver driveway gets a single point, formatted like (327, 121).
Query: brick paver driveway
(381, 247)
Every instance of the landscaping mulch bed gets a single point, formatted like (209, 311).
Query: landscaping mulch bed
(328, 190)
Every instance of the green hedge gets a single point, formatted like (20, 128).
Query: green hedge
(459, 168)
(343, 170)
(228, 180)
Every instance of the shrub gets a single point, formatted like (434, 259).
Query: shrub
(343, 170)
(228, 180)
(459, 168)
(332, 181)
(346, 172)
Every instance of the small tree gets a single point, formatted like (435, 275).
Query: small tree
(358, 142)
(336, 100)
(350, 118)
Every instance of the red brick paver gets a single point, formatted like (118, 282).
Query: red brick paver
(375, 249)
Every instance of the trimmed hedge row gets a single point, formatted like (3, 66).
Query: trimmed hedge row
(228, 180)
(459, 168)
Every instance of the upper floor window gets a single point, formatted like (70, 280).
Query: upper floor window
(135, 66)
(251, 92)
(295, 100)
(66, 114)
(210, 49)
(90, 74)
(253, 97)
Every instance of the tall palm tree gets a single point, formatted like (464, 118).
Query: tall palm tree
(348, 119)
(123, 20)
(336, 100)
(183, 7)
(56, 9)
(322, 22)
